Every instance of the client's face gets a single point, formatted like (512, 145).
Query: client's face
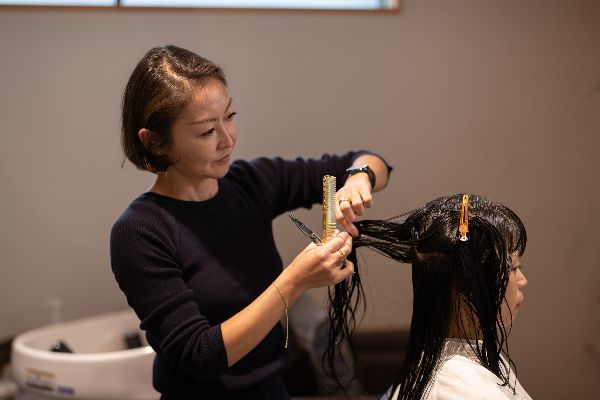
(514, 291)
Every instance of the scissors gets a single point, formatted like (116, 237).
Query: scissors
(306, 230)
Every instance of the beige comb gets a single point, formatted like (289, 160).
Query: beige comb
(329, 224)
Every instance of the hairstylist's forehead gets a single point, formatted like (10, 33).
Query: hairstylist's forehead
(207, 103)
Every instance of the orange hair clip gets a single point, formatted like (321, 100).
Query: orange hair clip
(463, 227)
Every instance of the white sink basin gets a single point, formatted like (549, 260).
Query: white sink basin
(100, 367)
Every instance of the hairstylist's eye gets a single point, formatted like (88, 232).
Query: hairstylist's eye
(207, 133)
(231, 115)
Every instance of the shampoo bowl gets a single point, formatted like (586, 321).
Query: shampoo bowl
(101, 366)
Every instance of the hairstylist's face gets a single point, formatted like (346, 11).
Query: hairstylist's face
(514, 291)
(204, 134)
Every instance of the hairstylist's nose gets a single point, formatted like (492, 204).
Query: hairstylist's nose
(226, 139)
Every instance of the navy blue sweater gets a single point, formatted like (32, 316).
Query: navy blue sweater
(187, 266)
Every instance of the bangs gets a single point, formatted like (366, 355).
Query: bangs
(511, 229)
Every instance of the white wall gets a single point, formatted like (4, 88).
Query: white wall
(500, 98)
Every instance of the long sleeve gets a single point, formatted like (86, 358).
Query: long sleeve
(289, 184)
(144, 261)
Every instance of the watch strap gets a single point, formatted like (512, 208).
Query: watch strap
(362, 169)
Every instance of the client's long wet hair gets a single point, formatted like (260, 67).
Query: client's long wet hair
(455, 283)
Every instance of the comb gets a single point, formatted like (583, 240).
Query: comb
(329, 224)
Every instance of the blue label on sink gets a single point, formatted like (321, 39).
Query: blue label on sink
(65, 390)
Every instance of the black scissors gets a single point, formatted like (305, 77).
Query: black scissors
(306, 230)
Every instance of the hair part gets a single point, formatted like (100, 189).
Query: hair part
(159, 88)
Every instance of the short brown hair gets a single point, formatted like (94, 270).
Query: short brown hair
(158, 89)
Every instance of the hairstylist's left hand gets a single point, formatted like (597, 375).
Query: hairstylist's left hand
(352, 200)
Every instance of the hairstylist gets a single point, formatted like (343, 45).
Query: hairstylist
(195, 254)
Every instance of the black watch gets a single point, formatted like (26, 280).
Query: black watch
(362, 168)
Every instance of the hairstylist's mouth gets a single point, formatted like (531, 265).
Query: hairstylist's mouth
(224, 159)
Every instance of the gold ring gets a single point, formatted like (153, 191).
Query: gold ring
(342, 258)
(345, 198)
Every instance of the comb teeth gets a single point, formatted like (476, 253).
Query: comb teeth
(329, 224)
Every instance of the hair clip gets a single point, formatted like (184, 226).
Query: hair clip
(463, 227)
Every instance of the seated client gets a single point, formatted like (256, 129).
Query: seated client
(468, 288)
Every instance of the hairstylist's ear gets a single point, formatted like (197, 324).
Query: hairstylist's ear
(147, 137)
(144, 136)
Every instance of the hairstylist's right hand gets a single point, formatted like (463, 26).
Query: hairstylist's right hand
(323, 265)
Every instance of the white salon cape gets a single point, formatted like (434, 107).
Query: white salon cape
(460, 376)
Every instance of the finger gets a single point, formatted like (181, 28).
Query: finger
(311, 246)
(367, 198)
(357, 205)
(345, 224)
(346, 241)
(343, 259)
(341, 262)
(338, 258)
(347, 247)
(347, 211)
(339, 216)
(349, 227)
(350, 268)
(345, 236)
(335, 243)
(343, 251)
(344, 273)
